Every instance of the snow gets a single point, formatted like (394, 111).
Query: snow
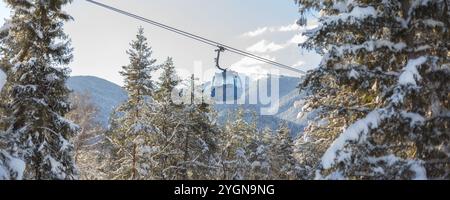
(2, 79)
(323, 123)
(6, 26)
(64, 143)
(342, 6)
(11, 166)
(63, 121)
(353, 133)
(337, 175)
(51, 77)
(260, 150)
(357, 13)
(416, 119)
(414, 165)
(433, 23)
(419, 170)
(422, 48)
(18, 166)
(389, 160)
(410, 73)
(4, 175)
(56, 45)
(353, 74)
(369, 46)
(39, 33)
(56, 167)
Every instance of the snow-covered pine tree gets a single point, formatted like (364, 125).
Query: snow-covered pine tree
(201, 138)
(4, 67)
(36, 95)
(132, 131)
(235, 144)
(282, 160)
(138, 78)
(7, 171)
(169, 119)
(260, 155)
(382, 89)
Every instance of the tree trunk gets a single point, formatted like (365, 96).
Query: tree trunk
(133, 176)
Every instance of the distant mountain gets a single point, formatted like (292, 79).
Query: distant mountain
(288, 94)
(107, 96)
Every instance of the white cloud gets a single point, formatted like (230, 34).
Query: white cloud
(251, 66)
(292, 27)
(256, 32)
(299, 64)
(263, 47)
(263, 30)
(278, 42)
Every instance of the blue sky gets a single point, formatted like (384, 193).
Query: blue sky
(264, 27)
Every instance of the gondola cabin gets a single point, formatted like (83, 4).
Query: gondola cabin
(226, 86)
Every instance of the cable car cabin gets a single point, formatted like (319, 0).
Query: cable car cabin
(226, 86)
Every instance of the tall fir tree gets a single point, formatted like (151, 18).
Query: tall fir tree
(132, 131)
(200, 149)
(282, 153)
(4, 67)
(381, 89)
(260, 156)
(35, 97)
(238, 136)
(169, 120)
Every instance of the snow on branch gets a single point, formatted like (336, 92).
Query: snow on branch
(10, 167)
(410, 73)
(369, 46)
(414, 165)
(354, 133)
(358, 131)
(357, 14)
(2, 79)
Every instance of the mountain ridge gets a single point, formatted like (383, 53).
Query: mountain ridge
(107, 96)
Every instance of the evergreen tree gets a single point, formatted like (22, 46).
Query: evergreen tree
(200, 139)
(169, 120)
(384, 80)
(237, 138)
(168, 80)
(138, 78)
(35, 96)
(132, 131)
(261, 155)
(283, 161)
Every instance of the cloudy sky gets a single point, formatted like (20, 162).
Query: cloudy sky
(263, 27)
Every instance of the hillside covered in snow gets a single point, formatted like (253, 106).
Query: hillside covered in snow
(104, 94)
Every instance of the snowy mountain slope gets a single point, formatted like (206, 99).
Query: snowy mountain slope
(105, 95)
(287, 113)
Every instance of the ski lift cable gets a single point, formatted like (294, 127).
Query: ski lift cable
(196, 37)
